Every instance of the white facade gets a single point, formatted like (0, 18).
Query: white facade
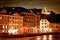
(45, 11)
(44, 25)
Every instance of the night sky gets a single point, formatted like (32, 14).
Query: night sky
(50, 4)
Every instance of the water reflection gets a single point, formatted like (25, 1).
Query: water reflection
(50, 37)
(44, 37)
(38, 38)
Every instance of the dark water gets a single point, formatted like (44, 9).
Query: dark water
(44, 37)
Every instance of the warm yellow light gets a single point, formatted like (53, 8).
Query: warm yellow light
(38, 38)
(6, 26)
(3, 26)
(50, 30)
(3, 31)
(12, 31)
(50, 37)
(47, 13)
(44, 37)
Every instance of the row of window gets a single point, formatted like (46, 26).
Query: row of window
(15, 17)
(55, 27)
(27, 13)
(45, 26)
(44, 23)
(16, 22)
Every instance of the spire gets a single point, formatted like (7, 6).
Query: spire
(45, 11)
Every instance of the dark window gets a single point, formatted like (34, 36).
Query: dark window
(42, 26)
(13, 17)
(42, 23)
(45, 26)
(10, 17)
(1, 27)
(45, 23)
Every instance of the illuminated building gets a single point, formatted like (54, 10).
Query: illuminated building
(30, 19)
(4, 20)
(49, 24)
(45, 11)
(44, 25)
(15, 22)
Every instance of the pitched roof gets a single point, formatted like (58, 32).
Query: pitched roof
(36, 11)
(14, 9)
(52, 18)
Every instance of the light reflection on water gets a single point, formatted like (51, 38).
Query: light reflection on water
(50, 37)
(44, 37)
(38, 38)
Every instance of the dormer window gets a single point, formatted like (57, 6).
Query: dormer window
(4, 11)
(15, 14)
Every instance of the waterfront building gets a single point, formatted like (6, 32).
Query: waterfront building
(15, 23)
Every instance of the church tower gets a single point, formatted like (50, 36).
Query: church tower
(45, 11)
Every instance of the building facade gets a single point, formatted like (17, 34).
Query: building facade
(44, 25)
(4, 20)
(15, 23)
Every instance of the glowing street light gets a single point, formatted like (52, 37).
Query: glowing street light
(3, 26)
(12, 31)
(2, 30)
(50, 30)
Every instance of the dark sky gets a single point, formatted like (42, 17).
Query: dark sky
(50, 4)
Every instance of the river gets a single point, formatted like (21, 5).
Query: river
(43, 37)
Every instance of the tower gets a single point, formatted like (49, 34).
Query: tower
(45, 11)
